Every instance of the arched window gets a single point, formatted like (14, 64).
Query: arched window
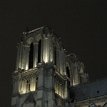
(28, 85)
(39, 51)
(31, 56)
(67, 72)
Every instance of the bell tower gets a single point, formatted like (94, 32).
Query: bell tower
(44, 73)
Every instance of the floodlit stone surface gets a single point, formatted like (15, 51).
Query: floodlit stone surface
(46, 76)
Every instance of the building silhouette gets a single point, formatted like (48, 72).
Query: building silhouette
(46, 76)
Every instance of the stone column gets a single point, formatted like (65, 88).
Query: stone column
(19, 86)
(58, 59)
(19, 56)
(76, 75)
(64, 63)
(24, 86)
(49, 95)
(40, 85)
(25, 57)
(66, 91)
(42, 50)
(51, 50)
(32, 84)
(61, 61)
(46, 50)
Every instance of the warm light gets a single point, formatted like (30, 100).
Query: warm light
(25, 87)
(35, 65)
(32, 88)
(46, 58)
(22, 87)
(59, 89)
(46, 50)
(26, 68)
(32, 85)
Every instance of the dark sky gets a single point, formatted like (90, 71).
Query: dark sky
(82, 25)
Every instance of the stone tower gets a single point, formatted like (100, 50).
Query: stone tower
(44, 73)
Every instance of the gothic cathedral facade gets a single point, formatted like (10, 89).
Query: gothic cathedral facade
(44, 71)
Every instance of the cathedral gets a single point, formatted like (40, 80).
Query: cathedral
(47, 76)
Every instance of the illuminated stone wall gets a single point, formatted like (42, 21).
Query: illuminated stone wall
(26, 86)
(44, 71)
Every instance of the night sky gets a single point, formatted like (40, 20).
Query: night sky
(82, 25)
